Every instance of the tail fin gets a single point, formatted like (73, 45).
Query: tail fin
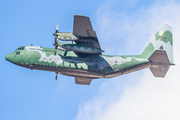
(160, 51)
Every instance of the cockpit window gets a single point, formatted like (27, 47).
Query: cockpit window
(18, 53)
(21, 48)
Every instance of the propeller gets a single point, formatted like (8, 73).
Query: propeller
(56, 45)
(56, 39)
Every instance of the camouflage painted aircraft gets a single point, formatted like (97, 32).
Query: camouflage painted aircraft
(83, 58)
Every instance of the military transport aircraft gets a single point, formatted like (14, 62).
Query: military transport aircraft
(83, 57)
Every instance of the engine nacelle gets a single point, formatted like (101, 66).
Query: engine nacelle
(81, 48)
(66, 36)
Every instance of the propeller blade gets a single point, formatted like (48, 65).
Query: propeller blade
(55, 50)
(56, 75)
(56, 40)
(57, 28)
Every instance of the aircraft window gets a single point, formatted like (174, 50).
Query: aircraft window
(18, 53)
(21, 48)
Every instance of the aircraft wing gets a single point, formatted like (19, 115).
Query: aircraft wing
(82, 81)
(83, 29)
(82, 26)
(84, 38)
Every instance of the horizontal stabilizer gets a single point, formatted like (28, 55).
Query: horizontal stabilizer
(159, 63)
(159, 56)
(82, 81)
(159, 71)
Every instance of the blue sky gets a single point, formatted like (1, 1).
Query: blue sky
(30, 94)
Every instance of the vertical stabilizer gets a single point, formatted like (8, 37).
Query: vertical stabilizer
(161, 41)
(160, 51)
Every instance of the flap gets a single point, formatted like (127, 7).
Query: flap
(83, 81)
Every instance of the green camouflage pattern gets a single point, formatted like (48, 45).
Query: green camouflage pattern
(33, 56)
(84, 48)
(162, 40)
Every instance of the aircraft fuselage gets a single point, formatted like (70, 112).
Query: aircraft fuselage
(68, 63)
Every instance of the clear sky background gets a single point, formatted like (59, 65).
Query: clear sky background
(123, 27)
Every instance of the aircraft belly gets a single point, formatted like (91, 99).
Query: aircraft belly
(87, 73)
(82, 73)
(66, 71)
(129, 70)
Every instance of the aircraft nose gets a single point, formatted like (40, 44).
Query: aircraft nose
(8, 57)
